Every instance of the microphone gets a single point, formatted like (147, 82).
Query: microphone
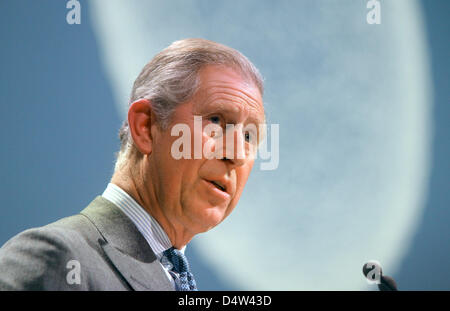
(387, 284)
(373, 272)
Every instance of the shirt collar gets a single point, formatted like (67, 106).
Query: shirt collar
(145, 223)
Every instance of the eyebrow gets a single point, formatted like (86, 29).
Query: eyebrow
(228, 109)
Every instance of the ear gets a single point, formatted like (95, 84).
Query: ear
(140, 121)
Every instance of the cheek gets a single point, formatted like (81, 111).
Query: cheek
(179, 174)
(242, 174)
(171, 172)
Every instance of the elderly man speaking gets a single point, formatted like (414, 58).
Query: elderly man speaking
(133, 236)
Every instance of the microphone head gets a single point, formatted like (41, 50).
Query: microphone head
(369, 266)
(374, 274)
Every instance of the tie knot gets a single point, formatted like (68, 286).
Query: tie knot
(178, 260)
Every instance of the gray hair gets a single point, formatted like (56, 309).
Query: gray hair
(171, 78)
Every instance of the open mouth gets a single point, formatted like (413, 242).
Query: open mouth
(218, 186)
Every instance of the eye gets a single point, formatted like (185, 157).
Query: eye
(250, 137)
(215, 119)
(247, 136)
(217, 125)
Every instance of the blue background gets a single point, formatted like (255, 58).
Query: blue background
(59, 132)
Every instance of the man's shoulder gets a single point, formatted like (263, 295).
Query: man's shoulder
(72, 232)
(43, 257)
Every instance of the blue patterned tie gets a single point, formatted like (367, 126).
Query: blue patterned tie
(181, 267)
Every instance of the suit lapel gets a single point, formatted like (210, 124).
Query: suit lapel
(140, 275)
(125, 246)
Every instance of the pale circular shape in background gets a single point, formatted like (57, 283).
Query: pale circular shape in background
(354, 106)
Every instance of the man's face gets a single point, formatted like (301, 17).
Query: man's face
(198, 194)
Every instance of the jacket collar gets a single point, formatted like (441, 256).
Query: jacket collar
(126, 247)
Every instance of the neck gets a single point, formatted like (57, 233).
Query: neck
(131, 179)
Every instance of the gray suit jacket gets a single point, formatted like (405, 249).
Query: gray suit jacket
(98, 249)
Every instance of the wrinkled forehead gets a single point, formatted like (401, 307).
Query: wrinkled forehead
(225, 88)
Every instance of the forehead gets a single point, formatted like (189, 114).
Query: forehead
(225, 89)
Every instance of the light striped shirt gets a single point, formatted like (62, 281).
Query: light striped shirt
(155, 236)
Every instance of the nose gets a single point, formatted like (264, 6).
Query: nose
(235, 151)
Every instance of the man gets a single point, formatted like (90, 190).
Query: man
(133, 236)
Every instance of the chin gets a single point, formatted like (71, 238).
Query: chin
(207, 217)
